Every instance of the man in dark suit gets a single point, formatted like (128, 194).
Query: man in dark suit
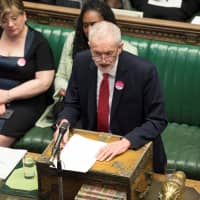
(135, 108)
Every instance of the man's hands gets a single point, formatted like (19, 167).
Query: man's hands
(113, 149)
(106, 153)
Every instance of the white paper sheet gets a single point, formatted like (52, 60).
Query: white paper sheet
(129, 13)
(79, 153)
(166, 3)
(9, 159)
(196, 20)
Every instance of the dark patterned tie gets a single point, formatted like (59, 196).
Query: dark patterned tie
(103, 105)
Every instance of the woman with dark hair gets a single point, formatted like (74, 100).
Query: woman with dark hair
(100, 11)
(92, 12)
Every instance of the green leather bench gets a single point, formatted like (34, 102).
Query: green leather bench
(179, 69)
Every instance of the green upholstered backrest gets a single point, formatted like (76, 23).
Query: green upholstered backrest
(179, 69)
(141, 44)
(182, 147)
(56, 37)
(178, 66)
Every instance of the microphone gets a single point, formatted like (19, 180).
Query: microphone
(63, 128)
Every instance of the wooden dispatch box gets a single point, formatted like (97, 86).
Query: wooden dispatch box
(130, 172)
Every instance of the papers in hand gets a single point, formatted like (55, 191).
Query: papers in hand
(79, 153)
(9, 159)
(166, 3)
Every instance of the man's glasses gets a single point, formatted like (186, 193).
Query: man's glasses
(107, 56)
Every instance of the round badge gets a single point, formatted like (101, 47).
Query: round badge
(119, 85)
(21, 62)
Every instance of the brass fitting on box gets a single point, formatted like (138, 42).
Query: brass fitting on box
(174, 187)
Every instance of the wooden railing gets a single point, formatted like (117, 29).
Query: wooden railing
(163, 30)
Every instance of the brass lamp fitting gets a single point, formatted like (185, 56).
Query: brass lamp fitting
(173, 188)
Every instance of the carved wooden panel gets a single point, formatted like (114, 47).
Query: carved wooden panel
(155, 29)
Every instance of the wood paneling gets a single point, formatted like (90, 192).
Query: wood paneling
(163, 30)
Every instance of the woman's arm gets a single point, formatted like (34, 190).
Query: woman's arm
(65, 65)
(2, 109)
(40, 84)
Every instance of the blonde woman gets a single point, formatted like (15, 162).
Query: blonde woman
(26, 72)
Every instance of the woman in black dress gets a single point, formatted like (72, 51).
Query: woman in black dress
(26, 72)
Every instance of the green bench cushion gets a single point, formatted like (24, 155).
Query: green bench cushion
(36, 139)
(179, 70)
(182, 147)
(141, 44)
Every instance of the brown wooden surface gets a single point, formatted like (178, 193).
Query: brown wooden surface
(156, 177)
(126, 172)
(126, 159)
(163, 30)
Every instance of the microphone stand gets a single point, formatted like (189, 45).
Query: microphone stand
(60, 176)
(56, 151)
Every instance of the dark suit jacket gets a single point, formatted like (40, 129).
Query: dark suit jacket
(137, 111)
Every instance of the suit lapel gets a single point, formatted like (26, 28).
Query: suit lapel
(92, 87)
(121, 77)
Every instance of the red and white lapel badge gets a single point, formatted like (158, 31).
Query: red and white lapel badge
(119, 85)
(21, 62)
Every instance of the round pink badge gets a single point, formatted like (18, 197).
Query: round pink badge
(119, 85)
(21, 62)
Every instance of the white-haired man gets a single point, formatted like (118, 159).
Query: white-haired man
(132, 98)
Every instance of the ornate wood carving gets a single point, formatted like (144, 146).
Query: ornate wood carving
(155, 29)
(51, 15)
